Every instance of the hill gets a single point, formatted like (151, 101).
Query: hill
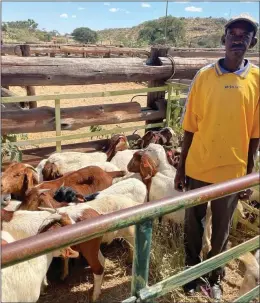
(197, 32)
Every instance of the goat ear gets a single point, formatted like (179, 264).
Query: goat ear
(50, 172)
(27, 182)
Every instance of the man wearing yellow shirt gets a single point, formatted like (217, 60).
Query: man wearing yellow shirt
(221, 139)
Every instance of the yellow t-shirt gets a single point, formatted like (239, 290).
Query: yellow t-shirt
(222, 110)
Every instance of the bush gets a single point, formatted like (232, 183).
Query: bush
(10, 151)
(84, 35)
(154, 31)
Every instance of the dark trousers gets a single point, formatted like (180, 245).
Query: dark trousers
(222, 213)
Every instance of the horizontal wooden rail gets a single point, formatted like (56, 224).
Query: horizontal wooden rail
(31, 247)
(84, 95)
(35, 71)
(167, 285)
(42, 119)
(203, 53)
(21, 71)
(83, 135)
(99, 50)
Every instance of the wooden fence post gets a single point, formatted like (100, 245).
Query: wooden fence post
(140, 269)
(153, 97)
(25, 49)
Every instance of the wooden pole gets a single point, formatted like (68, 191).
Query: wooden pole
(30, 90)
(20, 71)
(42, 119)
(79, 71)
(154, 60)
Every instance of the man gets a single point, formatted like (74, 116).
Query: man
(221, 139)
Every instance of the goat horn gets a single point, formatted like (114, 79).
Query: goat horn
(51, 210)
(31, 167)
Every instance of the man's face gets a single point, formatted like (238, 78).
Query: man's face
(238, 39)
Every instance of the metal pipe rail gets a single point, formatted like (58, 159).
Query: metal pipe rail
(31, 247)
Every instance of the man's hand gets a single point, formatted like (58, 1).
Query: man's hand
(179, 181)
(245, 194)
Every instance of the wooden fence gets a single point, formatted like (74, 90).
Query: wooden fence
(68, 50)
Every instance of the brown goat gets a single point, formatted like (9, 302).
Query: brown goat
(89, 249)
(17, 179)
(84, 181)
(51, 171)
(35, 198)
(134, 164)
(173, 157)
(162, 137)
(143, 164)
(117, 143)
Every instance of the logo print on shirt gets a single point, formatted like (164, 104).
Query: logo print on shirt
(233, 86)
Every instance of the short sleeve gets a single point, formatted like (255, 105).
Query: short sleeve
(255, 130)
(190, 115)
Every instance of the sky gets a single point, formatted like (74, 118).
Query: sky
(66, 16)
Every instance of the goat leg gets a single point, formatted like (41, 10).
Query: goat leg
(65, 271)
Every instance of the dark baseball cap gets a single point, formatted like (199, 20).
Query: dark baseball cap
(245, 18)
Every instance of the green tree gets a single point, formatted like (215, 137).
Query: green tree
(32, 24)
(4, 27)
(84, 35)
(154, 31)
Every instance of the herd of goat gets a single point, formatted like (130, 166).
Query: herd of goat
(70, 187)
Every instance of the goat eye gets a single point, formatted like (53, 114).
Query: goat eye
(17, 175)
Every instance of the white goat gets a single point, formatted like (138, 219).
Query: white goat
(104, 205)
(23, 282)
(122, 158)
(11, 205)
(157, 153)
(68, 163)
(131, 188)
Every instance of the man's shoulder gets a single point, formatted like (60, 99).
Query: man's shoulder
(205, 70)
(254, 68)
(254, 73)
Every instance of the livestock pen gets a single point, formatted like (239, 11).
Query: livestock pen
(156, 114)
